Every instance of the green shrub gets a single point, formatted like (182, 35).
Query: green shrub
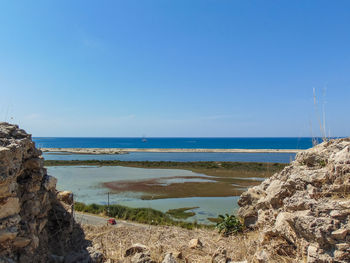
(141, 215)
(229, 224)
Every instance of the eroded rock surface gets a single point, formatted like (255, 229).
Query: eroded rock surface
(35, 225)
(303, 212)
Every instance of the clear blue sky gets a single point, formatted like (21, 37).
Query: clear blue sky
(174, 68)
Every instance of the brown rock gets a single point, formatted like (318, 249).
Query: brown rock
(8, 234)
(261, 256)
(9, 207)
(220, 256)
(195, 243)
(343, 246)
(50, 182)
(143, 257)
(177, 254)
(34, 163)
(21, 242)
(66, 197)
(169, 258)
(136, 248)
(339, 234)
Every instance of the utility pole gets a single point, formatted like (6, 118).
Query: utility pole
(108, 204)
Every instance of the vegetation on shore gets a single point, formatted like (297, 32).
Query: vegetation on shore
(140, 215)
(182, 213)
(211, 168)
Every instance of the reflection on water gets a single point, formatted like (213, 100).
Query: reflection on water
(86, 184)
(259, 179)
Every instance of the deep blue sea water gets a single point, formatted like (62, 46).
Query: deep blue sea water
(188, 143)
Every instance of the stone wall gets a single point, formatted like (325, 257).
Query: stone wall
(35, 226)
(303, 212)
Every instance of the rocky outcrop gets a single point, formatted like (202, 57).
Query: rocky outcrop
(303, 212)
(36, 225)
(139, 254)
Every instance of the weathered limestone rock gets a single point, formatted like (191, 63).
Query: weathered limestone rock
(135, 248)
(34, 225)
(50, 183)
(139, 254)
(177, 254)
(66, 197)
(220, 256)
(303, 212)
(169, 258)
(339, 234)
(8, 234)
(21, 242)
(143, 257)
(96, 255)
(9, 207)
(195, 243)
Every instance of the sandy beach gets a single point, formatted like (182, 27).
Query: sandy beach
(168, 150)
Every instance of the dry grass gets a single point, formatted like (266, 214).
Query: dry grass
(113, 241)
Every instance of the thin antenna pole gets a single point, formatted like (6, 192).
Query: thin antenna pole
(108, 204)
(322, 127)
(324, 114)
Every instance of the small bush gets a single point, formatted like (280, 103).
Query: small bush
(229, 224)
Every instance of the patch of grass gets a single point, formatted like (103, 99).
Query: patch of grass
(181, 213)
(323, 163)
(140, 215)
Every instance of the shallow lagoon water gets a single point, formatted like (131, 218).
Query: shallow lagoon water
(179, 157)
(85, 182)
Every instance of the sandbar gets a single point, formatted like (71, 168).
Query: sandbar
(164, 150)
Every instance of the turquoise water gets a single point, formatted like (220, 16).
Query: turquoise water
(86, 184)
(188, 143)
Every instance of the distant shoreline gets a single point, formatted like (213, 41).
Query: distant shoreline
(163, 150)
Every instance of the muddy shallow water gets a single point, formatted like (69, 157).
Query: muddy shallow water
(88, 185)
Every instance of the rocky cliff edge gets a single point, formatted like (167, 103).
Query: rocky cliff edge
(303, 212)
(36, 222)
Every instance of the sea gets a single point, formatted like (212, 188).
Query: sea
(187, 143)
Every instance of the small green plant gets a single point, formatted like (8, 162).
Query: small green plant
(229, 224)
(322, 163)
